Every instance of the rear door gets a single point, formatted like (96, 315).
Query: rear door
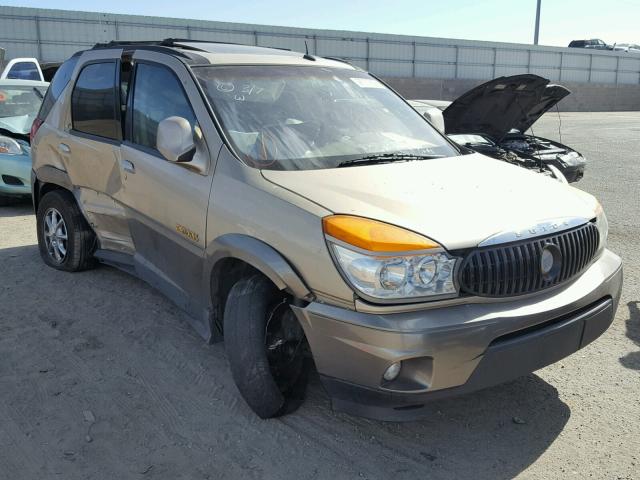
(166, 202)
(90, 150)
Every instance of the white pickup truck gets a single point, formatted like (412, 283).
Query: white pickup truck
(21, 69)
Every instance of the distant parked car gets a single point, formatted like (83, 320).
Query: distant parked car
(22, 69)
(627, 47)
(492, 119)
(430, 111)
(594, 43)
(20, 101)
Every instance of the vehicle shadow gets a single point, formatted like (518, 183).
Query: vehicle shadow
(18, 209)
(494, 434)
(632, 359)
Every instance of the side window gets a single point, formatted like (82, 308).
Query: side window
(24, 71)
(94, 101)
(158, 94)
(58, 84)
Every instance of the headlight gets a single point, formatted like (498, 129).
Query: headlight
(9, 146)
(386, 262)
(603, 227)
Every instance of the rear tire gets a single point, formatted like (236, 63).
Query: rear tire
(65, 240)
(266, 347)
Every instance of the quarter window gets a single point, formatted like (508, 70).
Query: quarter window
(93, 102)
(57, 86)
(157, 95)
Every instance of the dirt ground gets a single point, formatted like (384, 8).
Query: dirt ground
(102, 378)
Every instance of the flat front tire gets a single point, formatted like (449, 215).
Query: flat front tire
(266, 347)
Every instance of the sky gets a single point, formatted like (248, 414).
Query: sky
(493, 20)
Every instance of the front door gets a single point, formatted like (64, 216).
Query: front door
(166, 202)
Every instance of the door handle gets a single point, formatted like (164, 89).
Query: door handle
(127, 166)
(64, 148)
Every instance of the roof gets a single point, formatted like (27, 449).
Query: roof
(219, 53)
(10, 82)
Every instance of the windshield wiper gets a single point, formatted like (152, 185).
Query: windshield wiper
(386, 158)
(38, 93)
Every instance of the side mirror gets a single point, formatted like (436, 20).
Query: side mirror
(174, 139)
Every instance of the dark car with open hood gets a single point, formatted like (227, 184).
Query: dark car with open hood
(493, 119)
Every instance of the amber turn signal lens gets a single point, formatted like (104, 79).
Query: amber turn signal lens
(374, 236)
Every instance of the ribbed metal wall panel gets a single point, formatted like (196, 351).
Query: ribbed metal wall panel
(53, 35)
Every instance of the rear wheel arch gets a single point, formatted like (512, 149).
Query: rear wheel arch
(47, 179)
(40, 189)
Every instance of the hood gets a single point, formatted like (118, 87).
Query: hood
(20, 124)
(457, 201)
(496, 107)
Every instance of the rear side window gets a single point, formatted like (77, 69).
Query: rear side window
(157, 95)
(24, 71)
(94, 101)
(58, 84)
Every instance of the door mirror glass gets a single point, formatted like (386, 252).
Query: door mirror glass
(174, 139)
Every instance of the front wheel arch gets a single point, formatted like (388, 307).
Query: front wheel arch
(238, 256)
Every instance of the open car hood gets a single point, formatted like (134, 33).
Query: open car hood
(500, 105)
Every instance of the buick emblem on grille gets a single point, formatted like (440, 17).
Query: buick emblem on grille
(550, 261)
(546, 227)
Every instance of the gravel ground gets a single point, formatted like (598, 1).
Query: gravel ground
(101, 377)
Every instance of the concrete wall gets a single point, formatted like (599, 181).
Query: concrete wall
(419, 67)
(52, 35)
(585, 97)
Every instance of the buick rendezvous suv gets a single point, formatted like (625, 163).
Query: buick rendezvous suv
(300, 210)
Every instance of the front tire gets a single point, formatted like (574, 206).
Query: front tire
(65, 240)
(266, 347)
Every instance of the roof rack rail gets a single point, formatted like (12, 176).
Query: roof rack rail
(179, 42)
(174, 42)
(122, 43)
(167, 42)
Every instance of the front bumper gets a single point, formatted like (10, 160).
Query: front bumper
(15, 167)
(454, 349)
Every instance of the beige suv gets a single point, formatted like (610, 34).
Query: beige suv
(300, 209)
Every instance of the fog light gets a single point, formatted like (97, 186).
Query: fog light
(392, 372)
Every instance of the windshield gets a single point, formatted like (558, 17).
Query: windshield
(300, 118)
(19, 107)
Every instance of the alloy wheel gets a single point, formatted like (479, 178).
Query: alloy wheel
(55, 235)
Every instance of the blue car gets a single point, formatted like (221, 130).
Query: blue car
(20, 101)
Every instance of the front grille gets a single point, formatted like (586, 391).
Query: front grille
(10, 180)
(514, 269)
